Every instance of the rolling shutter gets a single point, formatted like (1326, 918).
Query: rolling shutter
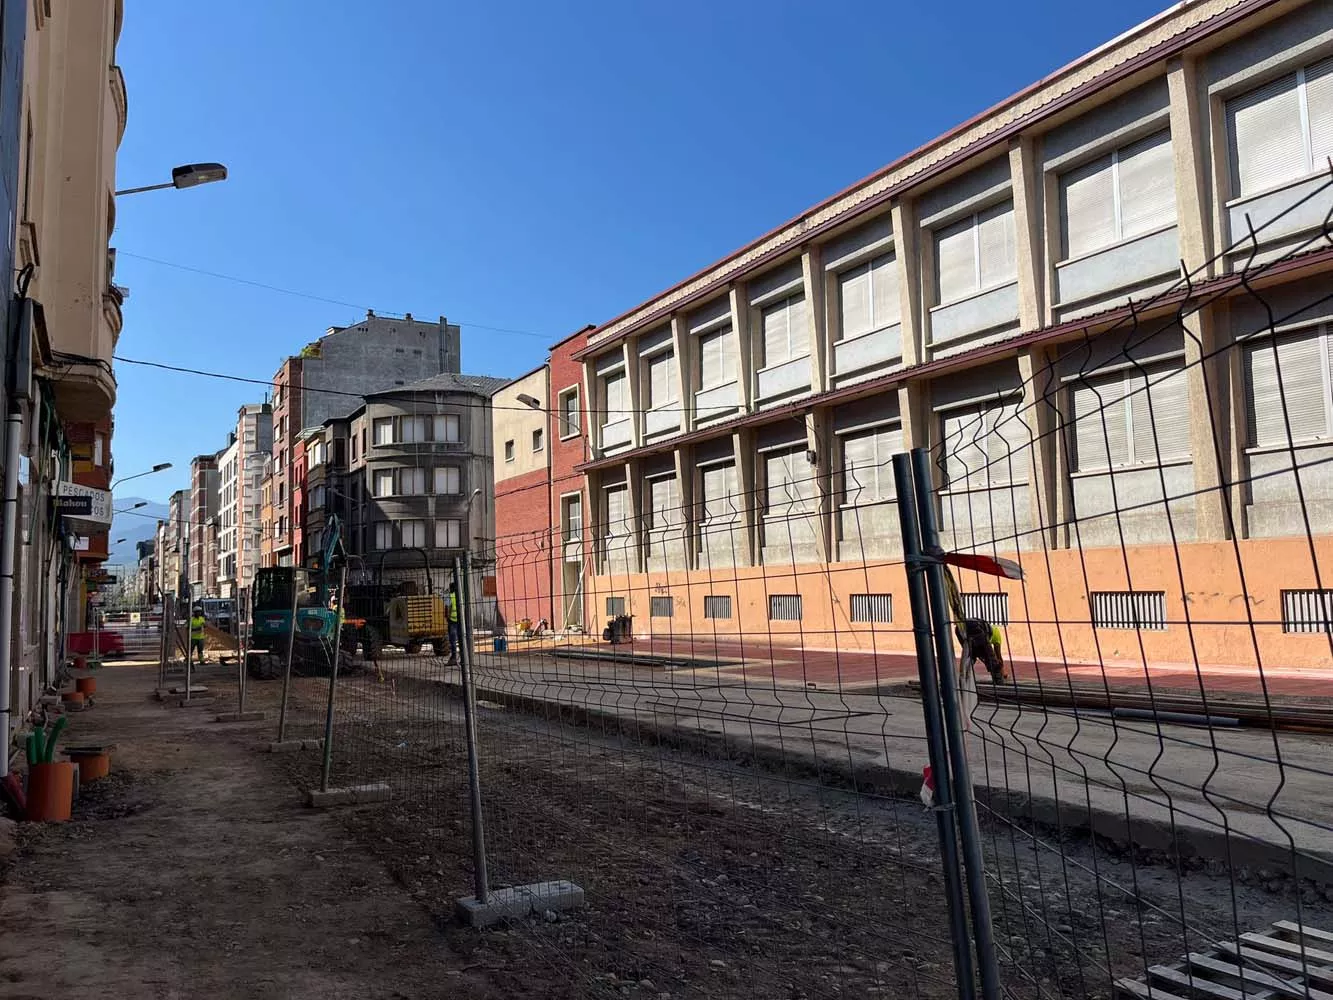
(1147, 183)
(1305, 385)
(1267, 145)
(1088, 194)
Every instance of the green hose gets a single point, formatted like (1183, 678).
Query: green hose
(55, 735)
(32, 748)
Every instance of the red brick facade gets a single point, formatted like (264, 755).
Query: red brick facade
(568, 450)
(523, 547)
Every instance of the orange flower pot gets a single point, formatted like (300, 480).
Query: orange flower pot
(86, 686)
(74, 699)
(92, 766)
(50, 792)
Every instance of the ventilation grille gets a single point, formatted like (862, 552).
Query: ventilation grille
(717, 606)
(615, 606)
(784, 607)
(1141, 610)
(993, 608)
(872, 607)
(1307, 611)
(660, 607)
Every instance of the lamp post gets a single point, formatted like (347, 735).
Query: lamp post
(126, 510)
(185, 176)
(157, 468)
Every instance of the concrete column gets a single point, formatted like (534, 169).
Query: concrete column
(818, 438)
(688, 513)
(1210, 422)
(1025, 171)
(914, 411)
(812, 274)
(634, 502)
(907, 251)
(633, 378)
(1038, 411)
(592, 409)
(684, 346)
(742, 447)
(1188, 138)
(745, 364)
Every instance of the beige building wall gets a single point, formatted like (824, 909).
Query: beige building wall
(516, 423)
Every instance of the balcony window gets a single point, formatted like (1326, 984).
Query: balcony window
(1118, 197)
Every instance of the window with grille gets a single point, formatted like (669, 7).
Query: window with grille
(717, 358)
(976, 254)
(1282, 131)
(1126, 194)
(784, 607)
(447, 480)
(717, 606)
(615, 606)
(1141, 610)
(867, 466)
(660, 607)
(872, 608)
(1307, 611)
(868, 297)
(786, 331)
(993, 608)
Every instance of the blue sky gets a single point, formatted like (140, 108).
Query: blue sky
(528, 166)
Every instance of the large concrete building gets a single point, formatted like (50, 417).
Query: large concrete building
(972, 298)
(326, 380)
(203, 526)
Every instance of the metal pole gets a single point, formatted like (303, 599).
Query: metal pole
(162, 641)
(189, 615)
(968, 827)
(287, 671)
(333, 684)
(240, 653)
(8, 542)
(935, 741)
(480, 881)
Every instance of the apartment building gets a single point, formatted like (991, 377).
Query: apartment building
(203, 527)
(973, 298)
(326, 380)
(228, 480)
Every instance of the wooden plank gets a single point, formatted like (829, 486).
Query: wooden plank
(1196, 983)
(1258, 978)
(1137, 989)
(1313, 933)
(1272, 961)
(1288, 948)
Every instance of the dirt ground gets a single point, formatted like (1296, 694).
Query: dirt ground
(195, 871)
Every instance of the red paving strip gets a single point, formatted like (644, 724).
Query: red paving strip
(760, 660)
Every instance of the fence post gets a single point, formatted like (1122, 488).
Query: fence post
(327, 766)
(287, 671)
(241, 652)
(964, 968)
(480, 880)
(968, 827)
(189, 649)
(162, 620)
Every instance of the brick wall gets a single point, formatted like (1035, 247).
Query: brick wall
(523, 548)
(566, 455)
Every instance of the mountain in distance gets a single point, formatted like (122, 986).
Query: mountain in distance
(133, 526)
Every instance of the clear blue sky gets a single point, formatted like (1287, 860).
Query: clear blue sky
(531, 166)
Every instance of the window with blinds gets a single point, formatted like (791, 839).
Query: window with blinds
(413, 534)
(786, 332)
(867, 468)
(1301, 363)
(383, 535)
(617, 512)
(662, 380)
(789, 484)
(985, 446)
(664, 503)
(1120, 196)
(447, 480)
(868, 298)
(976, 253)
(447, 428)
(721, 501)
(1282, 131)
(615, 396)
(1132, 417)
(448, 534)
(399, 482)
(717, 358)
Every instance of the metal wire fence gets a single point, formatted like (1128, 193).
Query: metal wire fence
(1086, 630)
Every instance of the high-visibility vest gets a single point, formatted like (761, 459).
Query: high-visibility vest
(453, 606)
(197, 627)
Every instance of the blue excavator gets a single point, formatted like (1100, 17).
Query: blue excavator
(319, 625)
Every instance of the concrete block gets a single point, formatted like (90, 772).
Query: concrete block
(293, 746)
(242, 717)
(519, 901)
(193, 689)
(195, 702)
(351, 795)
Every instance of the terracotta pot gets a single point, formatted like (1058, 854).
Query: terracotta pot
(72, 698)
(86, 686)
(92, 766)
(80, 662)
(50, 792)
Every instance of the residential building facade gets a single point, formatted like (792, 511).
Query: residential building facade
(228, 538)
(970, 298)
(254, 441)
(522, 498)
(203, 528)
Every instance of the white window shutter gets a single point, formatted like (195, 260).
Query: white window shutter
(996, 245)
(1147, 186)
(858, 460)
(711, 359)
(1267, 145)
(965, 449)
(1101, 426)
(886, 309)
(1006, 445)
(1319, 109)
(854, 302)
(955, 261)
(720, 501)
(798, 327)
(775, 334)
(615, 397)
(890, 443)
(1088, 197)
(1163, 434)
(778, 497)
(661, 379)
(1303, 388)
(617, 509)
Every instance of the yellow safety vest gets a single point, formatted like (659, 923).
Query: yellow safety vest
(196, 627)
(453, 606)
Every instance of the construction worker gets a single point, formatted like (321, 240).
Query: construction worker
(197, 632)
(455, 632)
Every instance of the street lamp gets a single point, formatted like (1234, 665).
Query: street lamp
(157, 468)
(186, 176)
(126, 510)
